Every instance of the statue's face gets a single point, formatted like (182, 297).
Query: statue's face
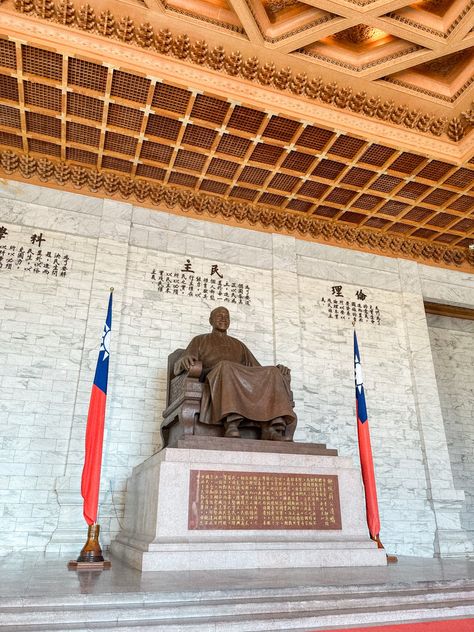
(220, 320)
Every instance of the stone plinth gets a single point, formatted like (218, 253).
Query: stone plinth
(158, 534)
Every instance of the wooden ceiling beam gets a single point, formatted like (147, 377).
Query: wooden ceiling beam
(449, 311)
(342, 7)
(416, 58)
(308, 36)
(247, 20)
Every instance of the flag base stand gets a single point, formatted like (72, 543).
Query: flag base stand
(90, 558)
(74, 565)
(391, 559)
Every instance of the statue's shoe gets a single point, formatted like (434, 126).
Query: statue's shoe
(231, 430)
(274, 435)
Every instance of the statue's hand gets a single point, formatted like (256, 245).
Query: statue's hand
(187, 362)
(284, 370)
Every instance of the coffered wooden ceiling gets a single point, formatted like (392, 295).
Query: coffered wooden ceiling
(347, 122)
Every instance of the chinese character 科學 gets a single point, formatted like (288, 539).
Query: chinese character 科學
(37, 239)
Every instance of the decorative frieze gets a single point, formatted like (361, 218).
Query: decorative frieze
(431, 93)
(273, 219)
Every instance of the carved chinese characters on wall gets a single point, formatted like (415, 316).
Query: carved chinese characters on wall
(260, 500)
(208, 284)
(36, 256)
(355, 306)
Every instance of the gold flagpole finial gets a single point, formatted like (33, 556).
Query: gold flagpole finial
(111, 289)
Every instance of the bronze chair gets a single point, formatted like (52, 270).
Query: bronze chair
(183, 401)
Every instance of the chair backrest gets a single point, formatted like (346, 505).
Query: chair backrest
(172, 359)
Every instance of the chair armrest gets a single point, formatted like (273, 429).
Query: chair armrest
(183, 384)
(195, 370)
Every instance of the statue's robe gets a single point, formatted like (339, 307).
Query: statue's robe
(236, 384)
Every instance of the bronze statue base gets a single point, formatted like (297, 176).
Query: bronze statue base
(200, 442)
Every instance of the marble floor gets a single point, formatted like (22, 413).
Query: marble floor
(36, 575)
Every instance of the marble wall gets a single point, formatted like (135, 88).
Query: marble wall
(452, 343)
(51, 324)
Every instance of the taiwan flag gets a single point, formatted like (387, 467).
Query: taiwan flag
(95, 426)
(365, 449)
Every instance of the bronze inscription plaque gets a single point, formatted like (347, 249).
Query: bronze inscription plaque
(260, 500)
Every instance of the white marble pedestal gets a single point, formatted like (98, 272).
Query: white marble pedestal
(156, 536)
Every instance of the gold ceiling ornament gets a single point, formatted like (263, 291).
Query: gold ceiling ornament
(457, 128)
(356, 34)
(468, 116)
(198, 52)
(444, 65)
(278, 5)
(274, 38)
(435, 4)
(27, 167)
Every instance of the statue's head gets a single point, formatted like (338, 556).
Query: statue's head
(220, 319)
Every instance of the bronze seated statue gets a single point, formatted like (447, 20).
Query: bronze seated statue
(216, 387)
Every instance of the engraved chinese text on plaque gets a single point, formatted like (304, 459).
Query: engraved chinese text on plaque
(260, 500)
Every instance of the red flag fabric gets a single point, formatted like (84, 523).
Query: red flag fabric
(365, 449)
(90, 484)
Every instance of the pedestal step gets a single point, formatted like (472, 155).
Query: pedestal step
(265, 610)
(196, 442)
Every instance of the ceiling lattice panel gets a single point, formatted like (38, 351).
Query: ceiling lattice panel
(71, 109)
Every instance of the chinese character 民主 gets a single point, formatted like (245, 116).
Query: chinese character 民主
(187, 266)
(215, 270)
